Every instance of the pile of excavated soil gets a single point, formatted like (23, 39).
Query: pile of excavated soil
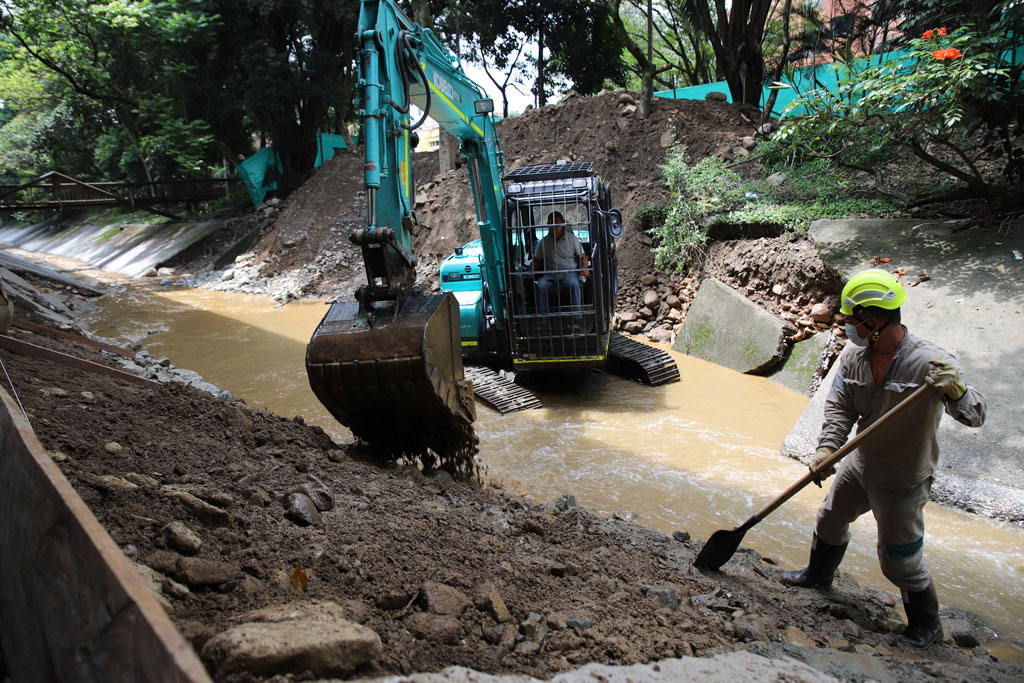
(627, 151)
(444, 573)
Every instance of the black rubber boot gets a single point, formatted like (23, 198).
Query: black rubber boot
(821, 569)
(923, 625)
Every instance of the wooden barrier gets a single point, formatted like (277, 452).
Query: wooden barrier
(71, 606)
(77, 338)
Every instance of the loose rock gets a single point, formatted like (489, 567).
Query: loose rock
(183, 539)
(293, 639)
(300, 508)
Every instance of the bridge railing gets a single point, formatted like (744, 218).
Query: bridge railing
(56, 190)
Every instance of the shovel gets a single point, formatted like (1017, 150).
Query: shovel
(722, 544)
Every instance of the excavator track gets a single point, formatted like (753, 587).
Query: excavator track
(500, 393)
(636, 361)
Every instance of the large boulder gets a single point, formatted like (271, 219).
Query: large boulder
(316, 637)
(724, 327)
(802, 440)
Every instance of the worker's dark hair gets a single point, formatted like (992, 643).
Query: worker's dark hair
(551, 217)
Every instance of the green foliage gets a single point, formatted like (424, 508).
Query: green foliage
(927, 102)
(102, 62)
(584, 47)
(650, 217)
(16, 153)
(176, 148)
(168, 88)
(708, 193)
(696, 190)
(578, 34)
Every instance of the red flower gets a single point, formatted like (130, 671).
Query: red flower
(927, 35)
(948, 53)
(943, 32)
(885, 260)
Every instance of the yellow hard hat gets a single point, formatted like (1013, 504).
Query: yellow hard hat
(872, 288)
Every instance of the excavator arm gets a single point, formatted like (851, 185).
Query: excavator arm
(402, 64)
(389, 365)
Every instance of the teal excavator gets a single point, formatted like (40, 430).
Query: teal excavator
(389, 365)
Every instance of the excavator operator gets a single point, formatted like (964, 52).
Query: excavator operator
(561, 259)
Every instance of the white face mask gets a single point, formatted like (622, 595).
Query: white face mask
(851, 334)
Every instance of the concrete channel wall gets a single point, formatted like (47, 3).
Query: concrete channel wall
(71, 606)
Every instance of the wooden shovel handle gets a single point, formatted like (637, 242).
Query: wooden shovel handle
(919, 393)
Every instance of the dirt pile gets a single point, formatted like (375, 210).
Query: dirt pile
(311, 231)
(196, 488)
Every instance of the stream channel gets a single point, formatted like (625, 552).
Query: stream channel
(701, 454)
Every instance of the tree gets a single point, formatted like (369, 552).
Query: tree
(586, 48)
(573, 39)
(931, 102)
(645, 63)
(735, 30)
(123, 56)
(683, 45)
(294, 61)
(506, 61)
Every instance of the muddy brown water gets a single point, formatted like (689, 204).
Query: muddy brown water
(699, 455)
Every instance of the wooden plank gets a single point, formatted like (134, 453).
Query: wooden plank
(77, 338)
(27, 349)
(71, 606)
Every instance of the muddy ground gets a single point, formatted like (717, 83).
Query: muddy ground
(577, 588)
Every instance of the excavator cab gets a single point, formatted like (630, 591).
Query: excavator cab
(554, 314)
(560, 304)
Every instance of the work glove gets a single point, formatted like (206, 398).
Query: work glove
(820, 456)
(945, 377)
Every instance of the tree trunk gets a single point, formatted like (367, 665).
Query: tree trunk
(127, 124)
(781, 66)
(646, 93)
(541, 86)
(736, 41)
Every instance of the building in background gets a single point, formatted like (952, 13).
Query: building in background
(430, 136)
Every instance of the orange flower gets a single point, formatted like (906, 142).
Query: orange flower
(943, 32)
(927, 35)
(948, 53)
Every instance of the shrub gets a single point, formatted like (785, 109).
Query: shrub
(930, 102)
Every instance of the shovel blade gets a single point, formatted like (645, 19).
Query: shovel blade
(719, 548)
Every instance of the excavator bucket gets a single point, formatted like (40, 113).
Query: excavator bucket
(396, 378)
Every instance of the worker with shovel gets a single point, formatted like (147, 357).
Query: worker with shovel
(891, 474)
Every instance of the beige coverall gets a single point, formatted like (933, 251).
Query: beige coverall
(891, 474)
